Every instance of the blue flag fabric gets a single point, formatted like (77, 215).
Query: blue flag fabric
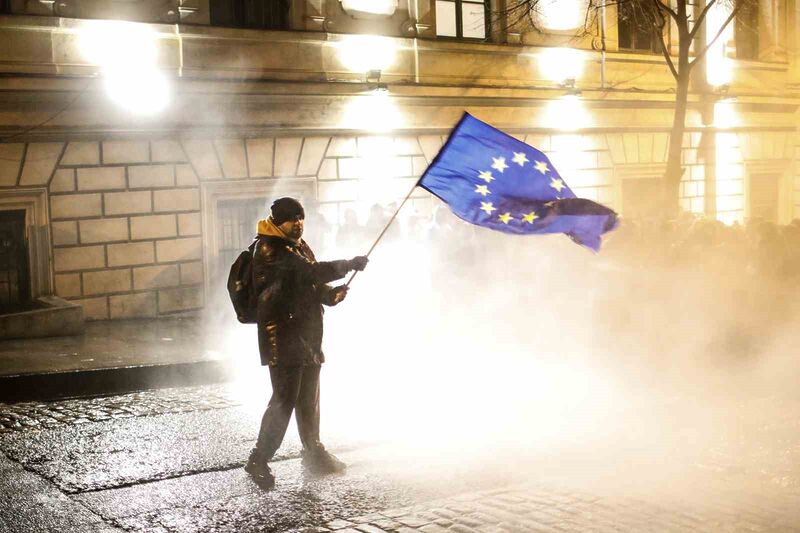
(491, 179)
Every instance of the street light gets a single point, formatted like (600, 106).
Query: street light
(366, 53)
(561, 15)
(127, 55)
(561, 65)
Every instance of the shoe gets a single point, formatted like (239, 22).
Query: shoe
(321, 462)
(259, 470)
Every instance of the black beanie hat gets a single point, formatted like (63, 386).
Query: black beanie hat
(284, 209)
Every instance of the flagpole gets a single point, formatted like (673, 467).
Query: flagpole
(374, 244)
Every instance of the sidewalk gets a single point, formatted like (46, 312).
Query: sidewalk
(114, 357)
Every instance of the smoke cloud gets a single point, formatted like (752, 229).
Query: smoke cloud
(669, 353)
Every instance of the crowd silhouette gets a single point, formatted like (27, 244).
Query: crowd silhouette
(755, 249)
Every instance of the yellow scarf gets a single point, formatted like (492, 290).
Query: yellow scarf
(268, 228)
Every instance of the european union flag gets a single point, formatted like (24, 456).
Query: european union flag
(493, 180)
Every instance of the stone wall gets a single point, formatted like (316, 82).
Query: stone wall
(796, 177)
(125, 223)
(738, 157)
(126, 220)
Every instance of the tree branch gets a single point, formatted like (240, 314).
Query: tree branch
(514, 14)
(699, 23)
(664, 7)
(728, 20)
(665, 52)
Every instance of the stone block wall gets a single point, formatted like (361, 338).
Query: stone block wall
(126, 229)
(740, 154)
(126, 220)
(796, 177)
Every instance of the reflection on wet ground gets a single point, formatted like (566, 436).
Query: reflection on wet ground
(114, 344)
(170, 461)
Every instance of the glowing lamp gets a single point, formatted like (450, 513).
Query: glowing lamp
(127, 55)
(560, 15)
(719, 69)
(366, 53)
(561, 65)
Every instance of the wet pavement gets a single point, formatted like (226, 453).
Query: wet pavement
(170, 461)
(112, 344)
(23, 416)
(123, 356)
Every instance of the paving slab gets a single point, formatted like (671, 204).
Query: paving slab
(556, 506)
(93, 444)
(230, 501)
(30, 504)
(170, 461)
(112, 453)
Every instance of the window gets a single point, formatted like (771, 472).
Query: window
(636, 28)
(256, 14)
(236, 226)
(461, 19)
(641, 197)
(15, 287)
(764, 195)
(746, 30)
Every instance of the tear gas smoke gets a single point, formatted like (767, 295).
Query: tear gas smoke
(459, 344)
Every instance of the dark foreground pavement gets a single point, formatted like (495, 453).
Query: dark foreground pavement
(170, 461)
(113, 357)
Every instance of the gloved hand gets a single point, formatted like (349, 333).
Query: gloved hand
(338, 294)
(359, 262)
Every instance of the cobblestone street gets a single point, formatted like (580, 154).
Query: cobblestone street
(553, 508)
(170, 461)
(33, 415)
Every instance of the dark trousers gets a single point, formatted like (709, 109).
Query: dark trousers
(294, 388)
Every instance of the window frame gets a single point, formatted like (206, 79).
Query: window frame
(655, 45)
(754, 32)
(238, 11)
(781, 168)
(459, 22)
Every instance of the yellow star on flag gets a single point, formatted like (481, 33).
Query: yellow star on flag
(557, 184)
(519, 158)
(483, 190)
(499, 164)
(541, 166)
(530, 217)
(488, 207)
(505, 217)
(486, 176)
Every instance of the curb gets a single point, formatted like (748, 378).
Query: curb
(106, 381)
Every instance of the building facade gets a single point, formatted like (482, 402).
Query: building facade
(140, 139)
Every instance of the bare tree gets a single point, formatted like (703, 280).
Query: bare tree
(653, 17)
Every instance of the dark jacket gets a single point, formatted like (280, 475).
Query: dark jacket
(291, 286)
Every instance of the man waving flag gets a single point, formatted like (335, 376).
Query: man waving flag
(493, 180)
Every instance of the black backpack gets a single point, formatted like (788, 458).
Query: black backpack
(240, 286)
